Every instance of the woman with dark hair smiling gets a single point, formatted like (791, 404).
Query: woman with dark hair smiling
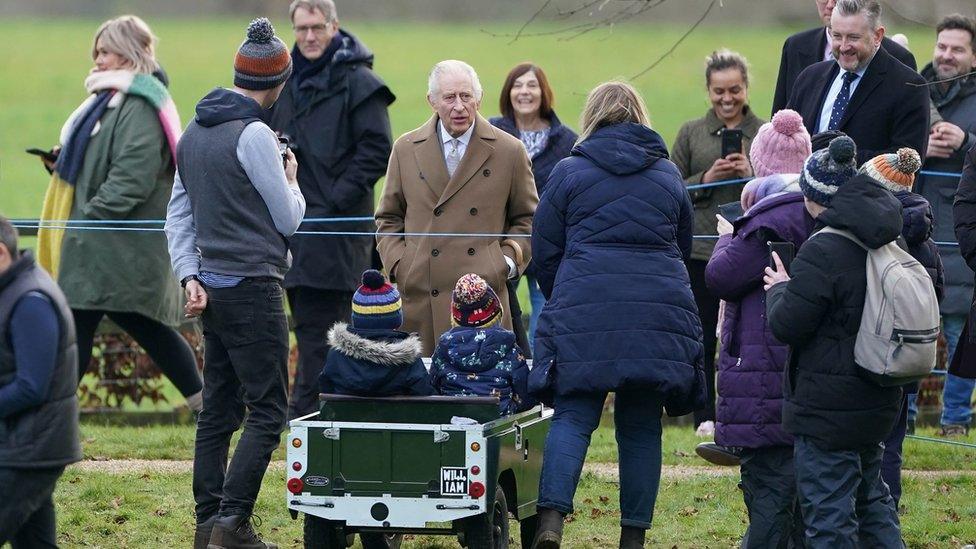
(526, 105)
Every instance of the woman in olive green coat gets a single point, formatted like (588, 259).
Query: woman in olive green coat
(123, 170)
(697, 152)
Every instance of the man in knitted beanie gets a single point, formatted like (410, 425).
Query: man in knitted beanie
(781, 145)
(234, 204)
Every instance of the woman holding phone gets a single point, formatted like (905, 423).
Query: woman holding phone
(116, 162)
(715, 148)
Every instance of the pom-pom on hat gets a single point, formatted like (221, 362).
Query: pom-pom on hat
(827, 169)
(896, 171)
(780, 146)
(263, 60)
(474, 304)
(376, 304)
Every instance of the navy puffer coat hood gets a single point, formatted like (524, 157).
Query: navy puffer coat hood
(609, 241)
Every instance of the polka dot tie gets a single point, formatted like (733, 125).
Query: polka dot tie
(843, 98)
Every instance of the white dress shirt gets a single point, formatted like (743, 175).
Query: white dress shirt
(834, 91)
(463, 140)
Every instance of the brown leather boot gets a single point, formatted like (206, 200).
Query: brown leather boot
(201, 537)
(550, 533)
(236, 532)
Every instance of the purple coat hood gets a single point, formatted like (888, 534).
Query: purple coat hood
(749, 411)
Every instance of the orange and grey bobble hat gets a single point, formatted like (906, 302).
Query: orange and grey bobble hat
(263, 60)
(896, 171)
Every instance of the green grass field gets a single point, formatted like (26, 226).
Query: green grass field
(44, 64)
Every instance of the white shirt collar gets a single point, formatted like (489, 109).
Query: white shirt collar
(464, 138)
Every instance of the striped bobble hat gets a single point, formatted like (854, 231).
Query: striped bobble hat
(376, 304)
(474, 304)
(896, 171)
(827, 169)
(263, 60)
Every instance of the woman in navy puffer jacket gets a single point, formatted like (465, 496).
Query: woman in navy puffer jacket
(609, 241)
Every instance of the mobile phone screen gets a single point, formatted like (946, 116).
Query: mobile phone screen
(731, 142)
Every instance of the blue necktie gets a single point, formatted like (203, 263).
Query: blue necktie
(840, 104)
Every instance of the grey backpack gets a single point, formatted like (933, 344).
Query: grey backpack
(897, 340)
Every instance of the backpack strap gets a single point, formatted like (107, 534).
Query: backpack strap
(841, 232)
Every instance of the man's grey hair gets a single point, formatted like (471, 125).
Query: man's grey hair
(8, 236)
(327, 7)
(453, 66)
(869, 8)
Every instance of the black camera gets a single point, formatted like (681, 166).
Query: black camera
(283, 144)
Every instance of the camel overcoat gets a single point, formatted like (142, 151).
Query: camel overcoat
(492, 192)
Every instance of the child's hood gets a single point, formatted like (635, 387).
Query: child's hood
(381, 347)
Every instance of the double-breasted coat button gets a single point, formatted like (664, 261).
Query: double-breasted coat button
(438, 212)
(486, 173)
(435, 252)
(434, 293)
(470, 251)
(473, 211)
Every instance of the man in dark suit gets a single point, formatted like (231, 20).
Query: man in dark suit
(866, 93)
(813, 46)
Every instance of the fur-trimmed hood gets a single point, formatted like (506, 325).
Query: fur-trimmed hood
(382, 347)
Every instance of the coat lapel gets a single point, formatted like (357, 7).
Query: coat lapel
(478, 151)
(872, 79)
(430, 159)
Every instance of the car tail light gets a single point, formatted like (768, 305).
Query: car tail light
(476, 490)
(295, 485)
(475, 446)
(476, 470)
(297, 466)
(296, 442)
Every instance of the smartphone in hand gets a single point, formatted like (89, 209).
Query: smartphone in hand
(731, 211)
(731, 142)
(785, 250)
(46, 155)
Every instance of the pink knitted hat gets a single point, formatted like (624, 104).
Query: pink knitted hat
(780, 146)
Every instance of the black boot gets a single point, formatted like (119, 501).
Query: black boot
(201, 537)
(550, 533)
(236, 532)
(631, 537)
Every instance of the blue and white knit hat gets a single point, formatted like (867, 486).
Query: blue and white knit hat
(827, 169)
(263, 60)
(376, 304)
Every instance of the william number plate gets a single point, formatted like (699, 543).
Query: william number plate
(454, 481)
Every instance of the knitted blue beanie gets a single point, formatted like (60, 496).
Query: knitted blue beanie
(376, 304)
(827, 169)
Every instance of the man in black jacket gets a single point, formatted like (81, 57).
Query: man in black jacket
(38, 403)
(866, 93)
(813, 46)
(964, 361)
(334, 112)
(837, 417)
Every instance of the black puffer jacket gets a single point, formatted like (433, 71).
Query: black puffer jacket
(818, 313)
(917, 230)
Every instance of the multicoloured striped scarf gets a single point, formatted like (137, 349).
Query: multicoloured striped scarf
(107, 89)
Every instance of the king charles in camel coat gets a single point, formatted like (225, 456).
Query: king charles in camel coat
(492, 192)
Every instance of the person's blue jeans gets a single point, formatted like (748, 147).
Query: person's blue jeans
(844, 503)
(957, 393)
(637, 418)
(538, 301)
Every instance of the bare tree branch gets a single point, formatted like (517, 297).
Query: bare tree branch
(531, 19)
(678, 43)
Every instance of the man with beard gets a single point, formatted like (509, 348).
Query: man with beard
(952, 87)
(334, 112)
(864, 92)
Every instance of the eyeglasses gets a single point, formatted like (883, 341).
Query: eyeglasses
(318, 30)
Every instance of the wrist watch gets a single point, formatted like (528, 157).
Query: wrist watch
(187, 279)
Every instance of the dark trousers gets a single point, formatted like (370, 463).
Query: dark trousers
(769, 490)
(245, 369)
(27, 512)
(637, 422)
(891, 460)
(314, 312)
(708, 311)
(164, 345)
(845, 503)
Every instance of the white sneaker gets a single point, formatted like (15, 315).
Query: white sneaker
(706, 429)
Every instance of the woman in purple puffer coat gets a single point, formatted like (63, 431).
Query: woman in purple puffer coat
(751, 361)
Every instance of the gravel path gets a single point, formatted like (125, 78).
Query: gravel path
(605, 470)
